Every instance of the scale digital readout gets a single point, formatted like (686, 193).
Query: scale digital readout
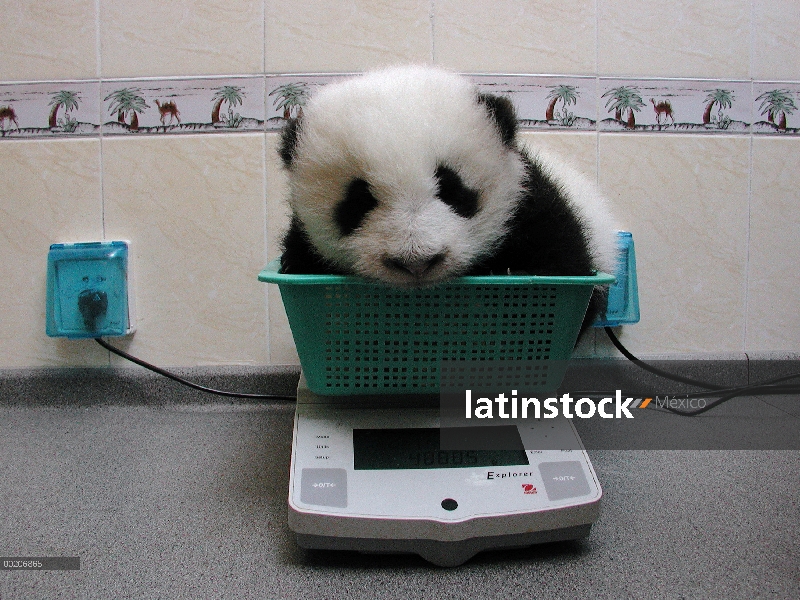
(419, 448)
(374, 478)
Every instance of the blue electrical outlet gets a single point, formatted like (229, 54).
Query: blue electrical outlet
(87, 290)
(623, 294)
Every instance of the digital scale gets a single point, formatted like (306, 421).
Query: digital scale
(368, 474)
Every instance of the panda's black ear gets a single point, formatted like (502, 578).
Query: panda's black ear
(289, 137)
(502, 112)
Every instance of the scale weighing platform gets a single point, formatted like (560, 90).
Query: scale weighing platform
(369, 475)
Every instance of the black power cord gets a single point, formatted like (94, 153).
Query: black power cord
(721, 393)
(93, 304)
(185, 382)
(643, 365)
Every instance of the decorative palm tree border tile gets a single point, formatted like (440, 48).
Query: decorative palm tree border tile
(773, 103)
(259, 103)
(59, 108)
(547, 102)
(689, 106)
(183, 105)
(287, 94)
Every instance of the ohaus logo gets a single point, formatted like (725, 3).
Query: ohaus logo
(527, 488)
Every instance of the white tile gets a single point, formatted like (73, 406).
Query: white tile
(681, 38)
(48, 40)
(773, 304)
(685, 200)
(511, 36)
(193, 209)
(776, 46)
(150, 37)
(52, 197)
(318, 36)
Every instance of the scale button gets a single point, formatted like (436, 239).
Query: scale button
(449, 504)
(563, 479)
(324, 487)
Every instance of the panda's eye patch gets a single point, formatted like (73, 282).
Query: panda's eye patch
(453, 192)
(351, 211)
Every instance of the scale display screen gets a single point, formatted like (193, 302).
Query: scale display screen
(419, 448)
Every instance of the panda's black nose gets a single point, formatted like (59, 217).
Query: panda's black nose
(416, 265)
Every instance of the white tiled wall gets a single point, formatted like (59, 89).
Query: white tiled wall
(773, 306)
(49, 40)
(152, 37)
(50, 192)
(319, 36)
(679, 38)
(193, 208)
(507, 36)
(776, 51)
(716, 219)
(686, 201)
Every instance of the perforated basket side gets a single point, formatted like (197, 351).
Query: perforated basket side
(358, 339)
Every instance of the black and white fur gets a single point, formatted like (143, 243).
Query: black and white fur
(411, 177)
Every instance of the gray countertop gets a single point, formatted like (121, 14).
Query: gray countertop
(188, 500)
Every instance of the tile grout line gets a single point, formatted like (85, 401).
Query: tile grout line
(596, 339)
(264, 35)
(265, 222)
(751, 73)
(264, 184)
(747, 264)
(315, 74)
(99, 92)
(97, 38)
(597, 97)
(432, 17)
(597, 92)
(751, 41)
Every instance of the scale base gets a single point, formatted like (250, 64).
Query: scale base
(369, 475)
(443, 554)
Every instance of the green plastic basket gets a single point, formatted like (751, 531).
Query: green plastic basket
(358, 337)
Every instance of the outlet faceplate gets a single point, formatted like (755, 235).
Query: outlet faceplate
(87, 290)
(623, 294)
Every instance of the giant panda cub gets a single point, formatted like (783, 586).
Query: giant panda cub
(410, 176)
